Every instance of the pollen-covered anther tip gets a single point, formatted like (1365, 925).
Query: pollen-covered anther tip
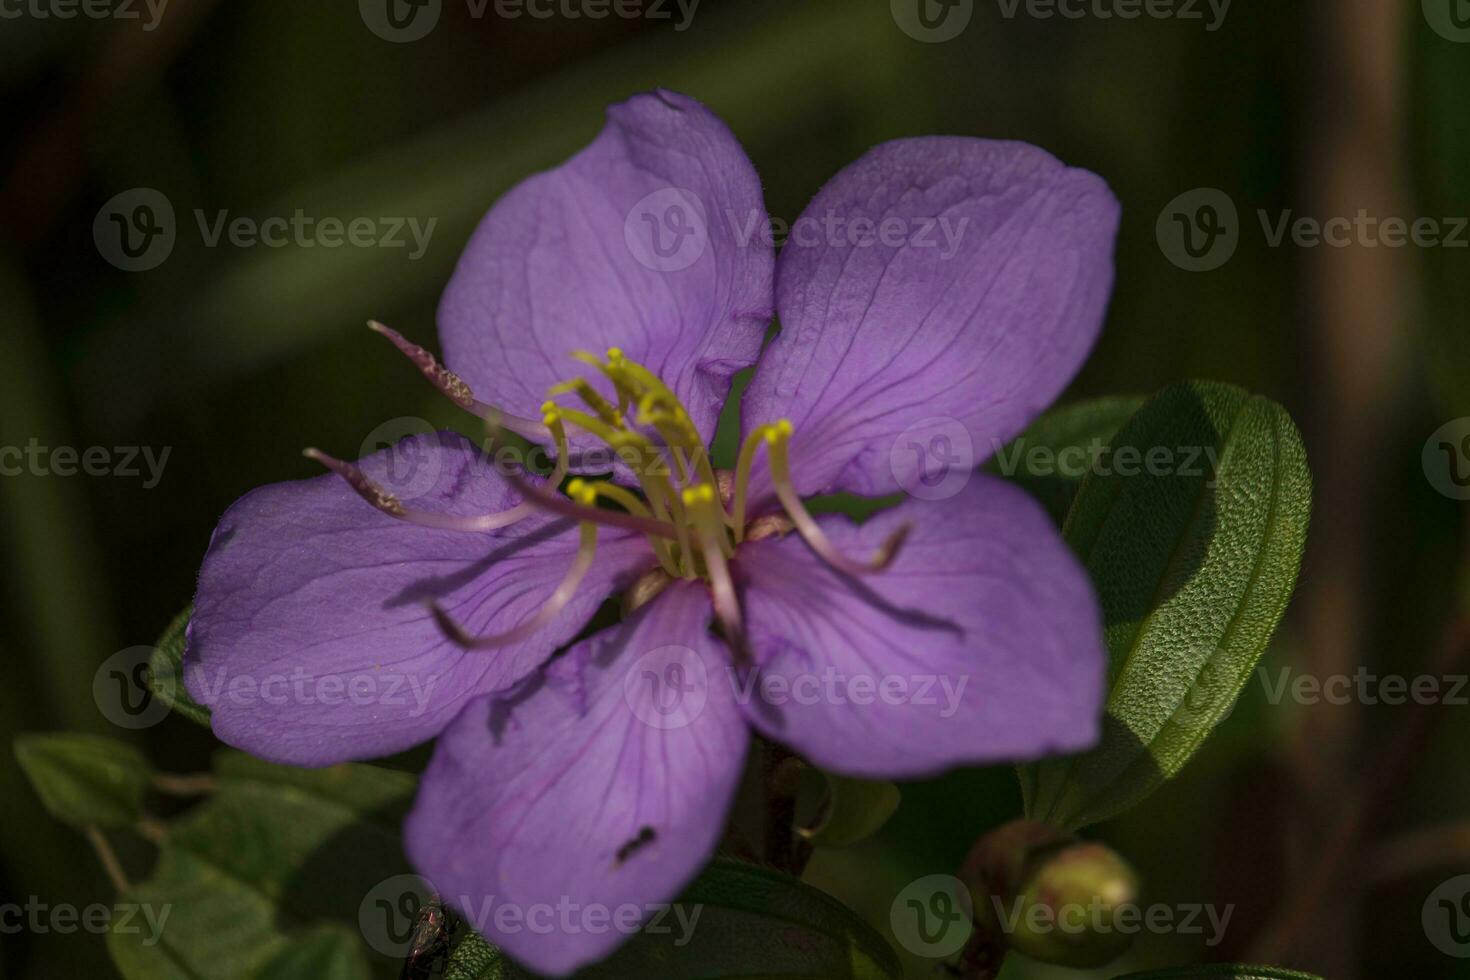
(448, 383)
(360, 482)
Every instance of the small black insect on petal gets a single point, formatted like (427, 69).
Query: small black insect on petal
(646, 836)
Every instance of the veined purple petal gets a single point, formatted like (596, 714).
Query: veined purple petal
(981, 643)
(599, 791)
(636, 242)
(310, 639)
(938, 288)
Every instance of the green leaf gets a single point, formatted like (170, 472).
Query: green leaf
(1193, 533)
(86, 780)
(330, 953)
(273, 855)
(1051, 458)
(751, 923)
(475, 959)
(853, 811)
(166, 671)
(1220, 971)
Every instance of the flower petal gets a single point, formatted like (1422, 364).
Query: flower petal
(567, 260)
(962, 320)
(600, 790)
(311, 641)
(981, 643)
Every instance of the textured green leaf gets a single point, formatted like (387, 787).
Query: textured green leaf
(331, 953)
(853, 811)
(86, 780)
(275, 854)
(752, 923)
(475, 959)
(1051, 458)
(1194, 564)
(1220, 971)
(166, 671)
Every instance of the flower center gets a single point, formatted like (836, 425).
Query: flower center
(652, 435)
(694, 520)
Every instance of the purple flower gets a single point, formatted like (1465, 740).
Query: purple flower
(936, 295)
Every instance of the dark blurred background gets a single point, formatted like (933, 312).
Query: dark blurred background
(233, 358)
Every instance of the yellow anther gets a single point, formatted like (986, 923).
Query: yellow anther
(550, 419)
(701, 493)
(576, 486)
(615, 354)
(786, 427)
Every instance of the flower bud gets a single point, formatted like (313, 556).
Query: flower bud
(1049, 895)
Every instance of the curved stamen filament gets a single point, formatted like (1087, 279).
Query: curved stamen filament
(389, 504)
(587, 511)
(777, 437)
(584, 390)
(629, 501)
(685, 443)
(743, 466)
(586, 551)
(456, 390)
(702, 503)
